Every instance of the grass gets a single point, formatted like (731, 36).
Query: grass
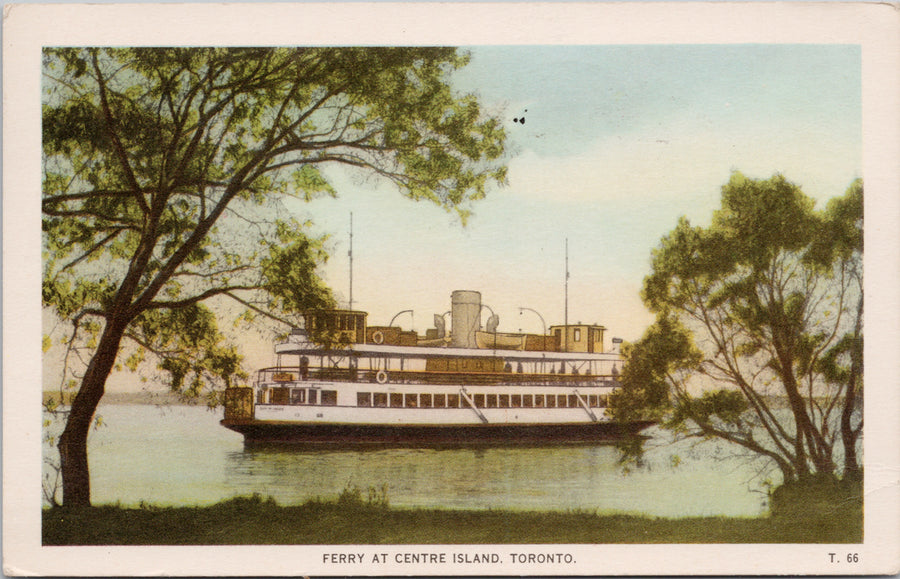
(351, 519)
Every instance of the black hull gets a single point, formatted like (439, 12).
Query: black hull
(443, 435)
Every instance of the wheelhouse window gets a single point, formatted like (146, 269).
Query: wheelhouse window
(577, 334)
(329, 397)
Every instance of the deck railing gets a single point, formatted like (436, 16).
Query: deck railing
(296, 374)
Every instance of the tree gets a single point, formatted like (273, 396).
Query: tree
(163, 175)
(758, 336)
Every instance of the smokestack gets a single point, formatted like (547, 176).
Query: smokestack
(465, 317)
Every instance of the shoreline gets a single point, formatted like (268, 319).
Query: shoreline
(350, 519)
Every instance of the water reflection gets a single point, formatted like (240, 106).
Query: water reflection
(583, 477)
(182, 456)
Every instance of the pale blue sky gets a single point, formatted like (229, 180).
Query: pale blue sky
(618, 142)
(577, 95)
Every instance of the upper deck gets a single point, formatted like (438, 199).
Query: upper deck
(342, 341)
(304, 348)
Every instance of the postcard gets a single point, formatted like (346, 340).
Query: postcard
(454, 289)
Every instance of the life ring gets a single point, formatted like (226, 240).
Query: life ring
(377, 337)
(381, 377)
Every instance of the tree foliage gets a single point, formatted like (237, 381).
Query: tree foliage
(163, 179)
(758, 337)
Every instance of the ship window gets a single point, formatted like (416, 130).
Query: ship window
(440, 400)
(425, 400)
(503, 401)
(604, 401)
(491, 400)
(592, 401)
(396, 400)
(329, 397)
(527, 401)
(411, 400)
(479, 400)
(261, 396)
(313, 394)
(279, 396)
(562, 400)
(577, 334)
(298, 396)
(363, 398)
(515, 401)
(538, 400)
(573, 401)
(551, 401)
(453, 400)
(381, 399)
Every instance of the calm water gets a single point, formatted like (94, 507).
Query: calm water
(179, 455)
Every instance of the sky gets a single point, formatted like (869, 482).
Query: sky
(618, 143)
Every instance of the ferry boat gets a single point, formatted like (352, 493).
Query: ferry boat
(340, 381)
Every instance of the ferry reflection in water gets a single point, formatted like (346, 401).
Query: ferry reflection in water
(562, 477)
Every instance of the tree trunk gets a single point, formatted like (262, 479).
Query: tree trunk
(849, 436)
(73, 442)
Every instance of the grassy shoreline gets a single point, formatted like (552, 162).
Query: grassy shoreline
(350, 520)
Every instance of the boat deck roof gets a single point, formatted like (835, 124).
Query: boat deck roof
(385, 351)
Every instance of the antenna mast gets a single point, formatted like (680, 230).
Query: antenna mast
(566, 322)
(350, 254)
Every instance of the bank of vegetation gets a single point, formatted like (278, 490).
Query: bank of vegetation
(835, 516)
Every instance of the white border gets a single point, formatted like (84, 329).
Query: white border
(876, 27)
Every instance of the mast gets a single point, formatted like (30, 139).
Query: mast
(566, 320)
(350, 254)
